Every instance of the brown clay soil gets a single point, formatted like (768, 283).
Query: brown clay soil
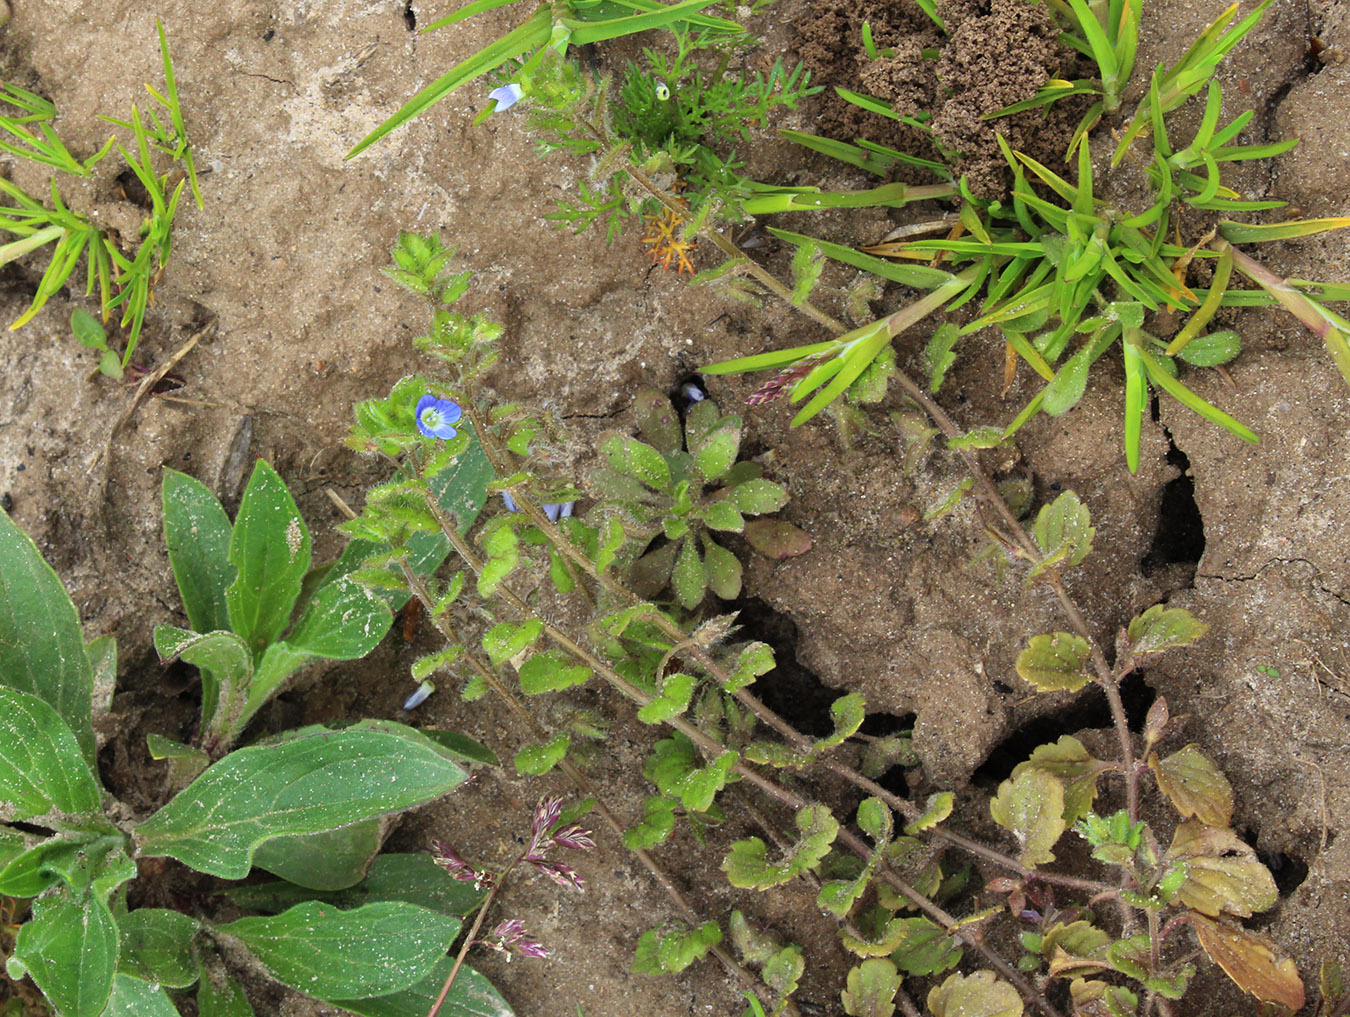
(286, 257)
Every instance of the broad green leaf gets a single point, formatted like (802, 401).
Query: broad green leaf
(757, 497)
(269, 547)
(1223, 874)
(658, 421)
(1064, 532)
(1068, 760)
(722, 515)
(197, 535)
(223, 658)
(472, 995)
(158, 945)
(136, 997)
(716, 453)
(317, 780)
(871, 989)
(12, 844)
(1031, 805)
(1055, 663)
(41, 646)
(278, 662)
(976, 995)
(68, 947)
(848, 713)
(638, 460)
(1163, 628)
(777, 538)
(671, 953)
(722, 569)
(28, 873)
(343, 621)
(551, 671)
(1256, 964)
(676, 691)
(748, 867)
(411, 878)
(42, 771)
(331, 860)
(371, 951)
(1194, 785)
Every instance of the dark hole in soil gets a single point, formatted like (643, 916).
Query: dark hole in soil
(790, 690)
(1180, 538)
(1090, 711)
(410, 16)
(134, 190)
(1288, 870)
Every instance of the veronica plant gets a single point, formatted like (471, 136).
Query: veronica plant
(890, 881)
(121, 281)
(66, 844)
(1065, 274)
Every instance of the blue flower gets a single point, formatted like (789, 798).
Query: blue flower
(554, 512)
(506, 96)
(436, 418)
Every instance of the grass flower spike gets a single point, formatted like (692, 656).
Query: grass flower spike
(436, 418)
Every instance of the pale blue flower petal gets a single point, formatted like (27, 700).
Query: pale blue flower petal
(506, 96)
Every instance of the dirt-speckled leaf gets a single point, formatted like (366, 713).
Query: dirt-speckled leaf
(923, 948)
(330, 860)
(219, 995)
(1031, 805)
(637, 460)
(269, 547)
(847, 714)
(1055, 663)
(657, 421)
(723, 570)
(412, 878)
(1068, 760)
(716, 453)
(757, 497)
(1101, 999)
(777, 538)
(197, 534)
(689, 579)
(472, 995)
(747, 865)
(936, 809)
(871, 988)
(1162, 628)
(1064, 532)
(371, 951)
(41, 645)
(41, 767)
(343, 621)
(1253, 962)
(551, 671)
(69, 947)
(722, 515)
(977, 995)
(158, 945)
(317, 780)
(223, 658)
(1223, 873)
(1194, 785)
(135, 997)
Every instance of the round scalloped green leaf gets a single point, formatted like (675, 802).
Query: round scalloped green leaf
(1031, 805)
(938, 808)
(1194, 785)
(871, 988)
(980, 994)
(1163, 628)
(756, 497)
(1055, 663)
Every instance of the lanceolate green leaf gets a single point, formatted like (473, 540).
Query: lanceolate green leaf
(371, 951)
(317, 780)
(69, 948)
(41, 646)
(197, 534)
(42, 771)
(343, 621)
(270, 548)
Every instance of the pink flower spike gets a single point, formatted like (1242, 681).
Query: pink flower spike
(574, 836)
(563, 875)
(546, 813)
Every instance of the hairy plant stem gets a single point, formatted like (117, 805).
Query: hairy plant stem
(473, 932)
(579, 780)
(713, 749)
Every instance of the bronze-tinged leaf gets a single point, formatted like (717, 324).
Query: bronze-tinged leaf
(1077, 948)
(1101, 999)
(1031, 805)
(1253, 962)
(1195, 786)
(1156, 721)
(1055, 663)
(1068, 760)
(777, 538)
(1223, 874)
(977, 995)
(871, 989)
(1163, 628)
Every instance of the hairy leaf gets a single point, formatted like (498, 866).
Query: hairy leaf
(42, 770)
(1162, 628)
(657, 823)
(747, 865)
(269, 547)
(977, 995)
(871, 989)
(1194, 785)
(777, 538)
(936, 809)
(551, 671)
(1064, 532)
(1068, 760)
(68, 947)
(1031, 805)
(674, 768)
(637, 460)
(197, 535)
(847, 713)
(1055, 663)
(671, 953)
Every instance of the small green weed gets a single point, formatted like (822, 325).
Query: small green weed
(120, 281)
